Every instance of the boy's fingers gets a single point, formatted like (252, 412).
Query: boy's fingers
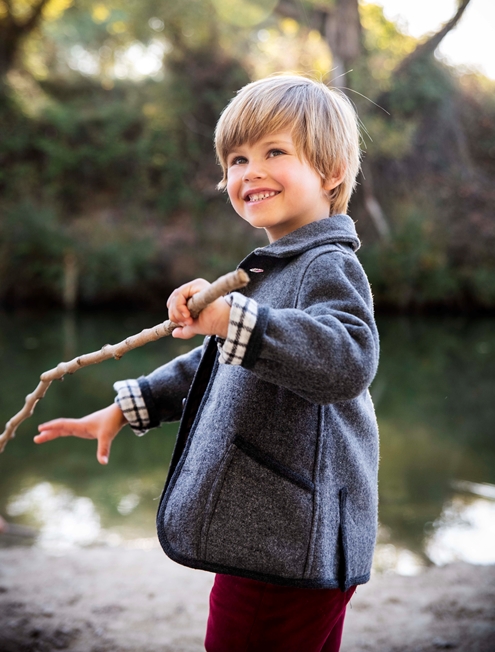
(62, 428)
(183, 333)
(103, 450)
(64, 425)
(49, 435)
(182, 306)
(54, 423)
(177, 301)
(178, 310)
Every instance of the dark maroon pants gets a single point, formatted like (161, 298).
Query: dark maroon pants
(251, 616)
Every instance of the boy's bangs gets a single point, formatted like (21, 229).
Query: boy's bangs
(253, 119)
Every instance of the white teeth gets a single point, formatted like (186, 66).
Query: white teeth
(258, 196)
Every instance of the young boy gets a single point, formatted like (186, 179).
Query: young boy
(273, 481)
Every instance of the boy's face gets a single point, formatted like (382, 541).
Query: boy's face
(272, 188)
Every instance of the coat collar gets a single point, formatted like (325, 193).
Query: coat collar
(330, 230)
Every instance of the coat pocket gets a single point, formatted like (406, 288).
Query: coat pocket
(259, 514)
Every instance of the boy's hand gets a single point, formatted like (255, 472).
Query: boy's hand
(102, 425)
(213, 320)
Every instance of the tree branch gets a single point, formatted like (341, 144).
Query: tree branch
(371, 203)
(33, 19)
(313, 19)
(12, 31)
(431, 44)
(196, 304)
(289, 10)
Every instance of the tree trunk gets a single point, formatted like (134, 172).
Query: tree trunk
(340, 26)
(342, 31)
(71, 278)
(12, 32)
(371, 204)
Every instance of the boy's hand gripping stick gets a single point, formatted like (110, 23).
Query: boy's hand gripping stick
(197, 303)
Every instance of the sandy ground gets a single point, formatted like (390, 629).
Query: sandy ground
(136, 600)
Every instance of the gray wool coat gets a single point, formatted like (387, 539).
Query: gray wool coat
(274, 473)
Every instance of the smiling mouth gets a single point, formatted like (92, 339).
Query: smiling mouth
(259, 196)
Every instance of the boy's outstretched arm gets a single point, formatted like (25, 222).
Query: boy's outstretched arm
(103, 425)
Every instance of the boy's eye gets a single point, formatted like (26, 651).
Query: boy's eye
(275, 152)
(237, 160)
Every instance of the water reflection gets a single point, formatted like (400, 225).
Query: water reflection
(128, 504)
(392, 559)
(62, 518)
(125, 493)
(465, 530)
(434, 401)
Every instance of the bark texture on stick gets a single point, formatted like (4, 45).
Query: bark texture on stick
(197, 303)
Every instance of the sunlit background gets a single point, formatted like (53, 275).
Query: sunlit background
(108, 200)
(469, 45)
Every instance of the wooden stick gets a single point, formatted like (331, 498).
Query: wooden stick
(197, 303)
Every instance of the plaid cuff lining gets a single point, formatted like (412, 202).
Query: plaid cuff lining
(243, 314)
(130, 400)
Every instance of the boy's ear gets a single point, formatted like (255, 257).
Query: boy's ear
(334, 181)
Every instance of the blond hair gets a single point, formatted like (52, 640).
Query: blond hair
(322, 121)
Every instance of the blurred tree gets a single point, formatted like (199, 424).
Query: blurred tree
(428, 47)
(125, 165)
(18, 19)
(107, 130)
(338, 22)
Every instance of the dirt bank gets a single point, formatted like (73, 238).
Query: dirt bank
(134, 599)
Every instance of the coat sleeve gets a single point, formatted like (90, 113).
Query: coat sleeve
(326, 349)
(165, 388)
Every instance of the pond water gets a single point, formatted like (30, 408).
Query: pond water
(435, 400)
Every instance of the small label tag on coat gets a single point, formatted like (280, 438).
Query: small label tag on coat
(256, 270)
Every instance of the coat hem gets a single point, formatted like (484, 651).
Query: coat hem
(223, 569)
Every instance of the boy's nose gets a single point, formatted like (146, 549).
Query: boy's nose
(254, 171)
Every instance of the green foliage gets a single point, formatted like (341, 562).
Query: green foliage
(118, 167)
(393, 137)
(411, 270)
(415, 269)
(116, 258)
(386, 46)
(100, 141)
(125, 170)
(31, 251)
(424, 86)
(34, 242)
(97, 148)
(478, 113)
(480, 284)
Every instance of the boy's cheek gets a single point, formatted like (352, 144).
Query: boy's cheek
(233, 187)
(231, 196)
(237, 204)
